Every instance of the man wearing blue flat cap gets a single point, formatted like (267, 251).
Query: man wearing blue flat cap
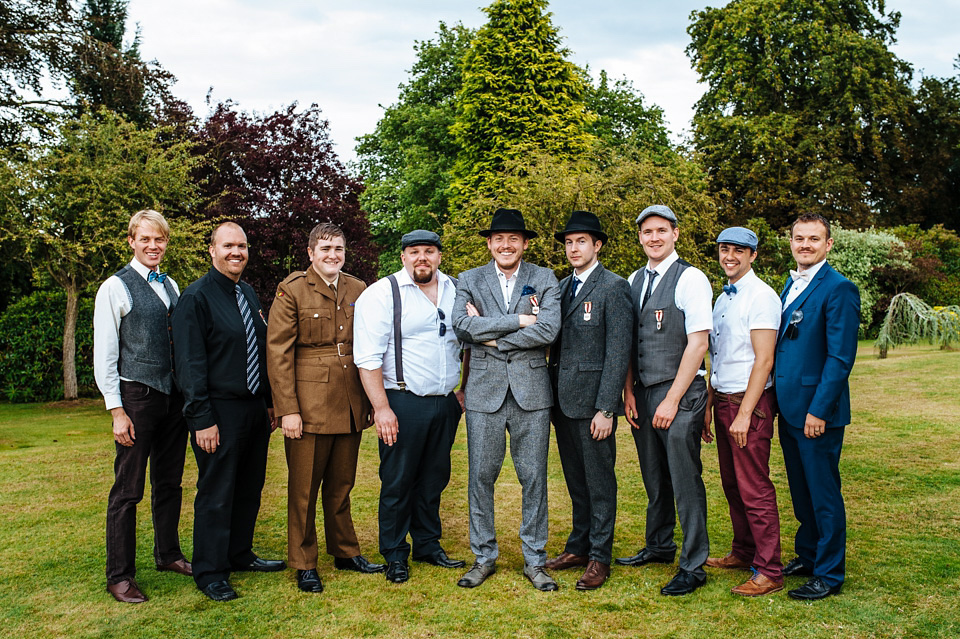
(746, 318)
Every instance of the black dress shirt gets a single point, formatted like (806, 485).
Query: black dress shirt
(210, 346)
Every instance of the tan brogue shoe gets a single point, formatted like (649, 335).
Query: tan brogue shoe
(731, 562)
(594, 576)
(566, 560)
(757, 586)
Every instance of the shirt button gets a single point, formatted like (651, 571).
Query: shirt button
(341, 328)
(316, 314)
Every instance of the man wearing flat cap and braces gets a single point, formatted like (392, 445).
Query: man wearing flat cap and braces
(509, 310)
(665, 398)
(409, 361)
(746, 318)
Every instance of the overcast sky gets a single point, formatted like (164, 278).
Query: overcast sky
(349, 58)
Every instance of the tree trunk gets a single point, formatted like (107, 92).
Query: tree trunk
(70, 343)
(883, 352)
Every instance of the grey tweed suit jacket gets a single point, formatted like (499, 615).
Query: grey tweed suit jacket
(519, 361)
(589, 360)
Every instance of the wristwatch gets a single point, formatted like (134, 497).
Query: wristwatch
(606, 413)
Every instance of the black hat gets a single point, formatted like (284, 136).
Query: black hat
(506, 221)
(582, 222)
(419, 238)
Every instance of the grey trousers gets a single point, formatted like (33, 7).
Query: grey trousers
(588, 468)
(671, 469)
(486, 448)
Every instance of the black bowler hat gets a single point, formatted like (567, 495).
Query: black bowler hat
(582, 222)
(508, 221)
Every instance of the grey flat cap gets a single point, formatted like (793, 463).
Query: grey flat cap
(738, 235)
(419, 238)
(660, 210)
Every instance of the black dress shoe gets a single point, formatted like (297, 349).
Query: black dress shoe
(398, 572)
(683, 583)
(814, 589)
(357, 564)
(644, 557)
(309, 581)
(219, 591)
(439, 558)
(263, 565)
(797, 568)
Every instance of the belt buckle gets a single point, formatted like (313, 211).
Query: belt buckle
(339, 352)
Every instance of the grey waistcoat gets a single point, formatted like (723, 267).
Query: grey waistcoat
(146, 340)
(658, 351)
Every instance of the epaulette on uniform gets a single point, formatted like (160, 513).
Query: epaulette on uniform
(294, 276)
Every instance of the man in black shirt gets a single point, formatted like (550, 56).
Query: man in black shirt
(219, 335)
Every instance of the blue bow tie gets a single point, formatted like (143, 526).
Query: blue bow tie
(153, 275)
(730, 288)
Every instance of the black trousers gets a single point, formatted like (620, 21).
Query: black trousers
(229, 484)
(414, 472)
(161, 438)
(589, 471)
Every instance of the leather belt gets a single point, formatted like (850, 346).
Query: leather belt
(340, 349)
(737, 399)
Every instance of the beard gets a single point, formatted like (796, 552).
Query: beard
(423, 274)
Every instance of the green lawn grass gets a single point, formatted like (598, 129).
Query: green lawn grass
(901, 470)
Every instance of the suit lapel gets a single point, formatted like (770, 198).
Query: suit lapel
(585, 289)
(523, 274)
(565, 285)
(797, 303)
(493, 282)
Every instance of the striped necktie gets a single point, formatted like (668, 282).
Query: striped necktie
(253, 366)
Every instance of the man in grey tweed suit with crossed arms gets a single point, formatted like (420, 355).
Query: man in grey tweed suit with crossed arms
(510, 311)
(588, 365)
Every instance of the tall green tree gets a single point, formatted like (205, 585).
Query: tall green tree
(407, 161)
(622, 118)
(804, 108)
(520, 94)
(69, 202)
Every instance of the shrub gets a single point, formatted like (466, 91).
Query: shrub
(31, 347)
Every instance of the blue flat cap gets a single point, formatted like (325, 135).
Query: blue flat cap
(419, 238)
(740, 236)
(660, 210)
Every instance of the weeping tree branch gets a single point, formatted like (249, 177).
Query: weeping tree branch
(910, 320)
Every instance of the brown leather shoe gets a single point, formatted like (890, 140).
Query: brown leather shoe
(594, 576)
(127, 591)
(731, 561)
(566, 560)
(180, 566)
(757, 586)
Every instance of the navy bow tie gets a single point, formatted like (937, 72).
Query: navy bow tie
(730, 288)
(153, 275)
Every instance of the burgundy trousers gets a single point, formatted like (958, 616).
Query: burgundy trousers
(745, 476)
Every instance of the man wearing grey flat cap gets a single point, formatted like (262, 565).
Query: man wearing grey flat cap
(409, 361)
(665, 398)
(746, 318)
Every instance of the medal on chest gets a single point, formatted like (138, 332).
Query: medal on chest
(534, 305)
(658, 314)
(587, 307)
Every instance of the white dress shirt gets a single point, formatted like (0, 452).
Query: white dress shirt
(506, 284)
(112, 304)
(754, 306)
(583, 276)
(431, 363)
(693, 295)
(800, 284)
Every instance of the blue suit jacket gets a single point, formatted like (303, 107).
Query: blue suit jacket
(811, 371)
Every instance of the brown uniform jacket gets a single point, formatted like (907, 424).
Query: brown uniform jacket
(310, 353)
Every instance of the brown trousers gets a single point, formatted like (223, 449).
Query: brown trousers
(326, 464)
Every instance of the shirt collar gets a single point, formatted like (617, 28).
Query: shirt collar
(813, 270)
(225, 282)
(746, 281)
(665, 264)
(583, 276)
(504, 276)
(142, 270)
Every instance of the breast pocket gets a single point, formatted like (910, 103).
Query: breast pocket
(316, 326)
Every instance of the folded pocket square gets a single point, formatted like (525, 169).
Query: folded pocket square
(528, 290)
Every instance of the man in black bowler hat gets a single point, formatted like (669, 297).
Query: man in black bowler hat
(588, 366)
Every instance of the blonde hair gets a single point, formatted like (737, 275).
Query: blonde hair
(151, 217)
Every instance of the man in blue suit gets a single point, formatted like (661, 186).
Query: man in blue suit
(816, 348)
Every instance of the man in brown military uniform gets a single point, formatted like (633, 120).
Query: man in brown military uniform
(321, 404)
